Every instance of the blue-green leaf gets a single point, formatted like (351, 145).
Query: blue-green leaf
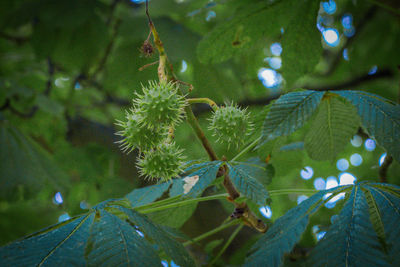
(148, 194)
(62, 244)
(284, 233)
(248, 186)
(207, 175)
(171, 247)
(389, 214)
(257, 169)
(289, 113)
(351, 240)
(380, 117)
(332, 128)
(114, 242)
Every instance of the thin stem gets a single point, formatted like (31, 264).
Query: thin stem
(213, 231)
(384, 168)
(158, 203)
(183, 203)
(228, 242)
(204, 100)
(246, 149)
(291, 191)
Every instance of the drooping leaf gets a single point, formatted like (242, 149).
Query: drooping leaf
(61, 244)
(248, 185)
(284, 233)
(289, 113)
(301, 42)
(114, 242)
(171, 247)
(333, 127)
(389, 215)
(351, 240)
(148, 194)
(24, 164)
(257, 169)
(240, 33)
(380, 117)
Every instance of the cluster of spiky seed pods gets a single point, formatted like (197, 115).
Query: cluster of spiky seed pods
(155, 111)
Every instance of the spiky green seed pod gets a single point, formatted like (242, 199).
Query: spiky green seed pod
(231, 125)
(160, 104)
(164, 162)
(136, 135)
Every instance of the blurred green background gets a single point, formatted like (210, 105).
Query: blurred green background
(69, 69)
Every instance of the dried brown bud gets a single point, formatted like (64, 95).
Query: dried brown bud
(147, 49)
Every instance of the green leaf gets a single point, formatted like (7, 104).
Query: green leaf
(24, 164)
(240, 33)
(206, 175)
(148, 194)
(171, 247)
(389, 214)
(61, 244)
(114, 242)
(284, 233)
(248, 185)
(258, 169)
(289, 113)
(48, 105)
(301, 42)
(380, 117)
(333, 127)
(351, 240)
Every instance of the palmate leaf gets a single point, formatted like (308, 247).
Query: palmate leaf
(171, 247)
(107, 235)
(285, 233)
(289, 113)
(113, 242)
(207, 175)
(248, 185)
(380, 117)
(351, 240)
(334, 125)
(387, 218)
(24, 164)
(63, 243)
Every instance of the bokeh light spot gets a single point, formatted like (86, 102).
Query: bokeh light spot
(329, 6)
(64, 217)
(210, 15)
(356, 141)
(347, 21)
(184, 66)
(382, 159)
(266, 212)
(373, 70)
(346, 54)
(370, 145)
(342, 164)
(319, 183)
(269, 77)
(307, 173)
(276, 49)
(346, 178)
(331, 37)
(58, 199)
(356, 159)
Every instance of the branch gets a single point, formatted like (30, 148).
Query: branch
(384, 168)
(165, 73)
(351, 83)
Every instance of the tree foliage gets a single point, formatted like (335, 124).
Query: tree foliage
(71, 79)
